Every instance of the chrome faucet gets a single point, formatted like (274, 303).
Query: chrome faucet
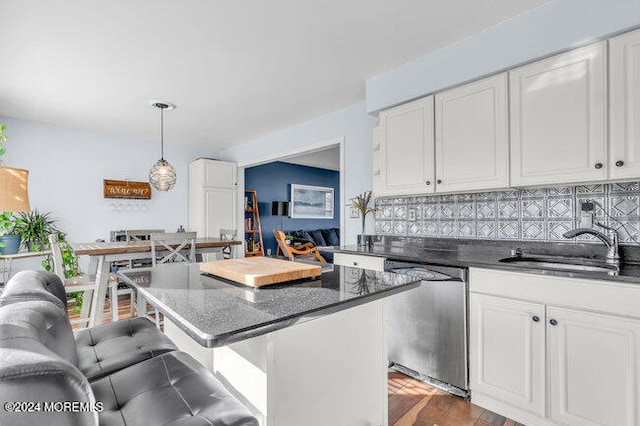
(610, 239)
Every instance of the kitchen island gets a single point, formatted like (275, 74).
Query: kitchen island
(309, 352)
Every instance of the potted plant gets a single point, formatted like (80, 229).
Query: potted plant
(34, 228)
(9, 240)
(3, 139)
(71, 268)
(288, 238)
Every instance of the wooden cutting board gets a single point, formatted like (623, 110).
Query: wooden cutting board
(260, 271)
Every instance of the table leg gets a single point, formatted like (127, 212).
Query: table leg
(4, 272)
(102, 282)
(88, 294)
(8, 277)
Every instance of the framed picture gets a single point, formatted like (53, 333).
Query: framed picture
(311, 202)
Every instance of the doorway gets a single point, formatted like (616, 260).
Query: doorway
(314, 163)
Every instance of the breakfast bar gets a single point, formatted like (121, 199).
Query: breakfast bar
(326, 333)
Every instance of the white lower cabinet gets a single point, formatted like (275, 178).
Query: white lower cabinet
(593, 368)
(507, 351)
(551, 350)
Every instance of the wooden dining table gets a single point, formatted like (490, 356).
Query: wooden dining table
(103, 254)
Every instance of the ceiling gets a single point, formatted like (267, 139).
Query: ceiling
(328, 158)
(235, 69)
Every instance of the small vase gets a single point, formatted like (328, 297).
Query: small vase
(363, 235)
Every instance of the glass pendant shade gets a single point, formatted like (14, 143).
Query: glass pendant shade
(162, 175)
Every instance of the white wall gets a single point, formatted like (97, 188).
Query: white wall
(352, 122)
(552, 27)
(66, 168)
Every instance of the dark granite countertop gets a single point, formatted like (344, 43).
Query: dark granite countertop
(487, 254)
(216, 312)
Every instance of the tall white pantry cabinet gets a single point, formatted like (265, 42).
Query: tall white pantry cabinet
(213, 191)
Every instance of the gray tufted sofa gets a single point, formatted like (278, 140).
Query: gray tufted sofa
(122, 373)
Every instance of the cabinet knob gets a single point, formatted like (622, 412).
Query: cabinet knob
(535, 318)
(598, 165)
(439, 181)
(619, 163)
(355, 263)
(428, 182)
(553, 322)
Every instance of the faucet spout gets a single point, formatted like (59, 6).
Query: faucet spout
(581, 231)
(610, 240)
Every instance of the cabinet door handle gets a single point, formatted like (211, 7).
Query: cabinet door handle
(535, 318)
(598, 165)
(619, 163)
(439, 181)
(428, 182)
(553, 322)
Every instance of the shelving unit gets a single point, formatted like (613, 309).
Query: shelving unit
(252, 231)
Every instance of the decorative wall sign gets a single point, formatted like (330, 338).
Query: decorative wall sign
(127, 189)
(311, 202)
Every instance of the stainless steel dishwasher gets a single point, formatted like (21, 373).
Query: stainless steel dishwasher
(427, 327)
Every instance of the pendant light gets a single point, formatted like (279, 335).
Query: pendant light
(162, 175)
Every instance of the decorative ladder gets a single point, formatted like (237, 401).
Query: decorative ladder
(252, 230)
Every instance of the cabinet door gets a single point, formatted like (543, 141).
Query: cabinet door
(219, 210)
(507, 351)
(558, 118)
(624, 83)
(593, 368)
(472, 145)
(406, 148)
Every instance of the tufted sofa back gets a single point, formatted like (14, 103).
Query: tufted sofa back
(38, 354)
(45, 287)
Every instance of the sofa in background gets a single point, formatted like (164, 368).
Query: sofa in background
(319, 238)
(121, 373)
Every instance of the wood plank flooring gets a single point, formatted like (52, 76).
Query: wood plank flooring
(411, 402)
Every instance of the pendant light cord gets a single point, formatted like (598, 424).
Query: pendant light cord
(162, 132)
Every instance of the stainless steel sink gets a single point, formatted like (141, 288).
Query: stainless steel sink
(561, 264)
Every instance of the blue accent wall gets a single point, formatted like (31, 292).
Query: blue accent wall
(272, 182)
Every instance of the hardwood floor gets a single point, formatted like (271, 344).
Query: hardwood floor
(124, 311)
(411, 402)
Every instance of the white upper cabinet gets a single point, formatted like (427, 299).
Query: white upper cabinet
(472, 145)
(558, 119)
(624, 114)
(406, 148)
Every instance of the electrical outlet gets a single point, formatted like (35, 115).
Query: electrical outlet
(411, 213)
(354, 213)
(587, 210)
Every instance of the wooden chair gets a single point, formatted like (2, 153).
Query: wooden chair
(82, 283)
(175, 244)
(306, 250)
(227, 235)
(140, 235)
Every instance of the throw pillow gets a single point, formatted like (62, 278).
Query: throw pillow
(317, 238)
(301, 237)
(330, 237)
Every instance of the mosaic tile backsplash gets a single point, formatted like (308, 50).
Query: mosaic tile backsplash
(537, 214)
